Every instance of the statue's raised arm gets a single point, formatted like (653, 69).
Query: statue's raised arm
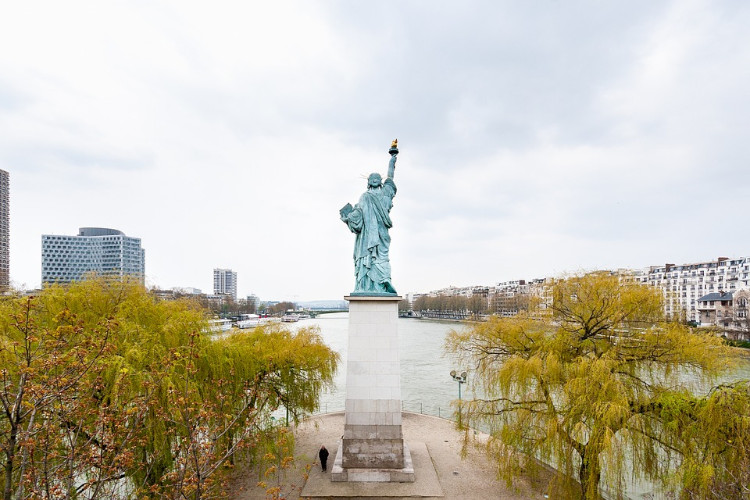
(392, 163)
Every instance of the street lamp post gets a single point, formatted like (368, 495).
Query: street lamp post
(461, 379)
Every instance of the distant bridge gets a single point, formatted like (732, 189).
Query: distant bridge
(318, 312)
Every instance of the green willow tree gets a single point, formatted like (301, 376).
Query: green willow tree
(108, 391)
(587, 383)
(45, 360)
(712, 433)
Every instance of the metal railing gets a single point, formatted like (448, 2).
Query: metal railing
(420, 407)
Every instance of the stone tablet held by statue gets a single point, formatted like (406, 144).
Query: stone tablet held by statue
(370, 221)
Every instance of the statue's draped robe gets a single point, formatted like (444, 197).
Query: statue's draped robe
(370, 221)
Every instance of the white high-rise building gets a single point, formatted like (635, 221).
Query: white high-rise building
(98, 250)
(225, 283)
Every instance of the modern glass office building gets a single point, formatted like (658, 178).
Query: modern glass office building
(96, 250)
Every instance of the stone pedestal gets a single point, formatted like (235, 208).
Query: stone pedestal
(373, 448)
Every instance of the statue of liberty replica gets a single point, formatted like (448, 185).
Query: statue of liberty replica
(369, 219)
(372, 448)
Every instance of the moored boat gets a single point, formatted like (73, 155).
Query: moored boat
(290, 318)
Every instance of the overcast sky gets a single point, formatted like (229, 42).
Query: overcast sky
(536, 138)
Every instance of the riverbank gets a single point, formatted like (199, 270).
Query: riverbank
(448, 319)
(473, 476)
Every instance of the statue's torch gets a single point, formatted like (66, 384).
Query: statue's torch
(394, 147)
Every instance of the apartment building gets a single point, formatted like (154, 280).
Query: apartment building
(225, 283)
(728, 311)
(683, 285)
(508, 298)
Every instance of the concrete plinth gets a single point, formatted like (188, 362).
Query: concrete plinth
(373, 448)
(403, 474)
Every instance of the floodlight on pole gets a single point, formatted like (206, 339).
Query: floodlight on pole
(461, 379)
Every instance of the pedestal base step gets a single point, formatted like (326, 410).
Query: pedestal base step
(340, 474)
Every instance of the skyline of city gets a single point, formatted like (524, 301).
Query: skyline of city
(108, 252)
(225, 280)
(70, 258)
(690, 289)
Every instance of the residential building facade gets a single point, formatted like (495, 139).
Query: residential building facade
(509, 298)
(715, 308)
(727, 311)
(225, 283)
(95, 250)
(684, 284)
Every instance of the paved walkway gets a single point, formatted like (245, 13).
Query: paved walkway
(444, 474)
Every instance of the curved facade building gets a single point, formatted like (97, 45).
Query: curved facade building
(98, 250)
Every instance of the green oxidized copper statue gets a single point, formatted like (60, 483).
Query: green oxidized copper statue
(369, 220)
